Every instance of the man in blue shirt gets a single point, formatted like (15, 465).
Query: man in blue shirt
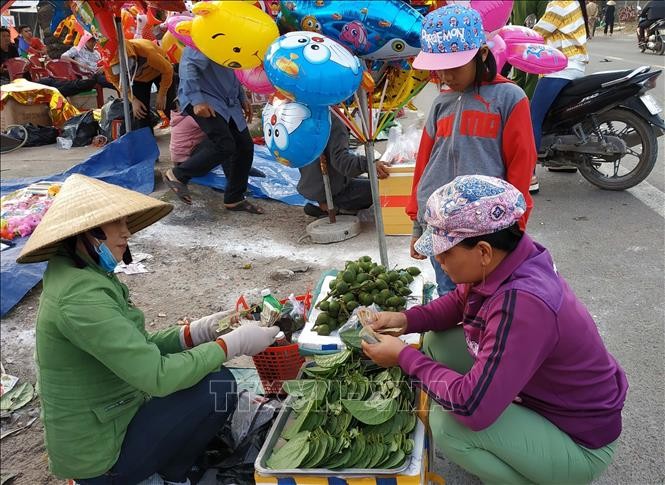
(213, 96)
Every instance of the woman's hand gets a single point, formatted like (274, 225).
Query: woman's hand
(160, 102)
(389, 323)
(138, 108)
(205, 329)
(248, 339)
(386, 352)
(415, 254)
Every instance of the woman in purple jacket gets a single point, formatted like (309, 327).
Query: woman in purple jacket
(522, 385)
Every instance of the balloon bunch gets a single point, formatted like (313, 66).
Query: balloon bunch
(242, 42)
(74, 30)
(384, 34)
(96, 17)
(311, 73)
(138, 23)
(520, 46)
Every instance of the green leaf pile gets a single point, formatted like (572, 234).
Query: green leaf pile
(363, 283)
(347, 413)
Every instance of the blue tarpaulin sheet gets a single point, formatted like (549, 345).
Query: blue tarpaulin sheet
(279, 183)
(129, 162)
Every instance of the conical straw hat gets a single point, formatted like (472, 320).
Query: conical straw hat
(84, 203)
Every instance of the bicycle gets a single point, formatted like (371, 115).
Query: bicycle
(9, 143)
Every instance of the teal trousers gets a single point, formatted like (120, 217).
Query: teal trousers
(521, 447)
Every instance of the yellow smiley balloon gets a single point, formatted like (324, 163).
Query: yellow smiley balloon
(233, 34)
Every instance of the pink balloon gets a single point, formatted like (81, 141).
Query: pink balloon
(494, 13)
(536, 58)
(498, 48)
(171, 23)
(518, 34)
(255, 80)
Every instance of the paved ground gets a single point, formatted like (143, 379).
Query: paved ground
(608, 245)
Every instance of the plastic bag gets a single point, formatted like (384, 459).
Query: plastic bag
(292, 318)
(402, 147)
(114, 110)
(111, 111)
(64, 143)
(81, 129)
(37, 135)
(360, 320)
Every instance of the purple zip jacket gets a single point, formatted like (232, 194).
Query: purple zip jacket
(531, 339)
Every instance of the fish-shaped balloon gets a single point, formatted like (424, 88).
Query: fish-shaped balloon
(373, 30)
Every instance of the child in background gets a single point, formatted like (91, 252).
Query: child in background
(185, 136)
(564, 26)
(479, 124)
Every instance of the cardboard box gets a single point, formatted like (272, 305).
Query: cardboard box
(85, 101)
(15, 113)
(394, 193)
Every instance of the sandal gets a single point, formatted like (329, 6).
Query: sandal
(178, 187)
(246, 206)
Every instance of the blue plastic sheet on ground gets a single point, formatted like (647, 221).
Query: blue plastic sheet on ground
(129, 162)
(279, 183)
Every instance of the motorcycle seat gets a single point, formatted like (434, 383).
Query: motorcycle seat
(592, 82)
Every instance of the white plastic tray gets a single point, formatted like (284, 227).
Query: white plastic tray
(313, 342)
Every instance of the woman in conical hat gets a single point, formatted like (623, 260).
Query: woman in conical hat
(119, 404)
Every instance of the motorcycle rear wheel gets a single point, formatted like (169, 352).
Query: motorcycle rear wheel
(644, 152)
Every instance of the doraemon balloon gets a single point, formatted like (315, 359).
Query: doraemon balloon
(388, 29)
(312, 69)
(294, 133)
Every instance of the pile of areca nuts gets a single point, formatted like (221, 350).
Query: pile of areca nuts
(363, 283)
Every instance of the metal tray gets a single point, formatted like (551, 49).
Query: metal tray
(276, 431)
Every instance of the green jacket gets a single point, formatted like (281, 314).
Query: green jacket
(97, 365)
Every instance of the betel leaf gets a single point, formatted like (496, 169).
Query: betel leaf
(409, 424)
(375, 411)
(396, 459)
(351, 338)
(317, 371)
(291, 454)
(340, 460)
(332, 360)
(308, 388)
(378, 456)
(296, 426)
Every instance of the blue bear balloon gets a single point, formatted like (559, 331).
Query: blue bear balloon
(312, 69)
(295, 134)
